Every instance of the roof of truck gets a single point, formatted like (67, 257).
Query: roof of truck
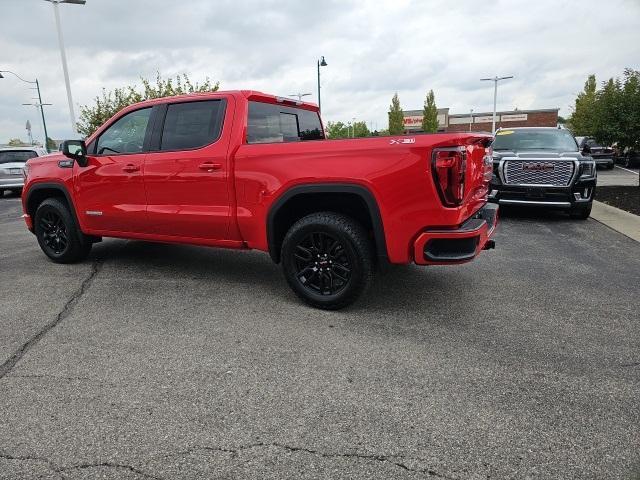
(248, 94)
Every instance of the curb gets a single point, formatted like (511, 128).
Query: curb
(623, 222)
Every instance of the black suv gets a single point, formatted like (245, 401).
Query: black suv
(603, 156)
(542, 167)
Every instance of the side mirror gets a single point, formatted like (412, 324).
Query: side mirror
(76, 150)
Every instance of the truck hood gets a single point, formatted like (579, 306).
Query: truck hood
(537, 154)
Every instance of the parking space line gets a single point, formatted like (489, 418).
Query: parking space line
(626, 170)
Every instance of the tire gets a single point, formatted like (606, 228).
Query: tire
(581, 212)
(327, 260)
(58, 235)
(610, 166)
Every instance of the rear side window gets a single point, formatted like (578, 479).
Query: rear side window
(10, 156)
(270, 123)
(191, 125)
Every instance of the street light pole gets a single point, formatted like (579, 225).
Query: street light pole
(321, 63)
(299, 95)
(470, 118)
(63, 55)
(495, 81)
(40, 104)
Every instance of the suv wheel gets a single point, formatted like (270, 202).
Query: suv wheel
(581, 212)
(327, 260)
(58, 235)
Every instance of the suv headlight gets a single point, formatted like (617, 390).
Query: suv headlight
(588, 169)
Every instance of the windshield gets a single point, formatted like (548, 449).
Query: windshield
(551, 139)
(10, 156)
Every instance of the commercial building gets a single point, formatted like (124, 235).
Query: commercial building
(481, 122)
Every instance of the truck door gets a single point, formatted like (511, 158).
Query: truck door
(110, 189)
(186, 171)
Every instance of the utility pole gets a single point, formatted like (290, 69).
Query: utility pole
(495, 81)
(39, 104)
(470, 118)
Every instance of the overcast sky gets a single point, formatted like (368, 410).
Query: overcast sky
(373, 48)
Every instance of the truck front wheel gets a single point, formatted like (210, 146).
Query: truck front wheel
(57, 233)
(327, 260)
(581, 212)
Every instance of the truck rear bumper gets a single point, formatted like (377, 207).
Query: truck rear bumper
(445, 247)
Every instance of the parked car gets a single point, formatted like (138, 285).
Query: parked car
(247, 170)
(629, 158)
(542, 167)
(603, 156)
(12, 161)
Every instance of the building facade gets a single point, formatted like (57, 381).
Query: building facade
(481, 122)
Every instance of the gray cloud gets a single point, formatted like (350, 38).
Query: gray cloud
(373, 48)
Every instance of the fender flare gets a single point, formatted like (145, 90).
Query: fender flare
(350, 188)
(53, 186)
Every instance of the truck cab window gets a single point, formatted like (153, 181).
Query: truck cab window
(269, 123)
(192, 124)
(126, 135)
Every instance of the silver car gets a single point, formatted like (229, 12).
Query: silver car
(12, 161)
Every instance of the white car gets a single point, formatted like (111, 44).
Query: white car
(12, 161)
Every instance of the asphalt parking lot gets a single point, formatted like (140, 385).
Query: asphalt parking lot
(174, 362)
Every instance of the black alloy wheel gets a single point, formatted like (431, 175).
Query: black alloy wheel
(327, 259)
(58, 234)
(322, 264)
(54, 232)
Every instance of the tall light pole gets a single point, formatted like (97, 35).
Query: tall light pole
(63, 55)
(39, 104)
(470, 118)
(495, 81)
(321, 63)
(299, 95)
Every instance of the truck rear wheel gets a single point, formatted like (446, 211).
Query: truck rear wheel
(58, 235)
(327, 260)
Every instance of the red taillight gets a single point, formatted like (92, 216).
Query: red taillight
(488, 165)
(449, 165)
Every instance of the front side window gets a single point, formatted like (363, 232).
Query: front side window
(10, 156)
(269, 123)
(192, 124)
(126, 135)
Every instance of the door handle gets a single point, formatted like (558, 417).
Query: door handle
(130, 168)
(210, 166)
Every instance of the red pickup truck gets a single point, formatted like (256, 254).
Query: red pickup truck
(247, 170)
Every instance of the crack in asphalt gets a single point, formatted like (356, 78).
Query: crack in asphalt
(390, 459)
(8, 365)
(632, 364)
(81, 466)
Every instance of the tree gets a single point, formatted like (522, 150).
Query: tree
(430, 114)
(342, 130)
(396, 118)
(617, 111)
(359, 129)
(582, 118)
(93, 116)
(337, 130)
(51, 145)
(16, 142)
